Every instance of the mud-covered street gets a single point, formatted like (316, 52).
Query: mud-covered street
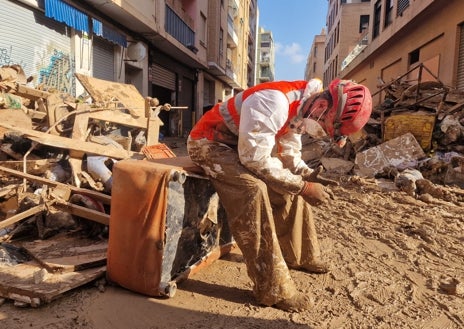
(397, 262)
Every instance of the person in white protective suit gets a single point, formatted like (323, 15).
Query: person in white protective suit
(250, 147)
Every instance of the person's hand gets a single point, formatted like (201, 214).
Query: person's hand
(315, 177)
(314, 193)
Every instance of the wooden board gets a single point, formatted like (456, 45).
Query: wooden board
(19, 282)
(102, 91)
(68, 143)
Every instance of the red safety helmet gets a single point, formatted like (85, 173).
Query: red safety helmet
(351, 108)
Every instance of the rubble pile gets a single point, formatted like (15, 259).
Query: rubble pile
(419, 125)
(56, 158)
(434, 114)
(68, 141)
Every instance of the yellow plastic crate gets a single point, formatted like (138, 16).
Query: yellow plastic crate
(419, 124)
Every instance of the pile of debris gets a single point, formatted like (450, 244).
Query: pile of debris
(56, 157)
(418, 127)
(71, 142)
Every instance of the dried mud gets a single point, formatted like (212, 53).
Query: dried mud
(397, 262)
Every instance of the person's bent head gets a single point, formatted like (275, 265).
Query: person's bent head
(342, 109)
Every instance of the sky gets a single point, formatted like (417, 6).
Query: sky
(294, 24)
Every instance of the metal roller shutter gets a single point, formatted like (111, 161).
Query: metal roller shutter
(40, 45)
(162, 77)
(460, 73)
(103, 59)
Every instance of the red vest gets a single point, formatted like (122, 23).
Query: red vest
(227, 114)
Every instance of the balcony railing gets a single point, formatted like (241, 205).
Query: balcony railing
(232, 34)
(176, 27)
(356, 51)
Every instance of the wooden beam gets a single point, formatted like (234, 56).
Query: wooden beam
(106, 199)
(74, 209)
(126, 94)
(119, 117)
(27, 213)
(68, 143)
(28, 92)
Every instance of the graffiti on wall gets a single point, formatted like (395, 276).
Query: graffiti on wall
(6, 58)
(58, 71)
(53, 68)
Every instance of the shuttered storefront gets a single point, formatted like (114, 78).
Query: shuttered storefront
(103, 65)
(160, 76)
(40, 45)
(460, 73)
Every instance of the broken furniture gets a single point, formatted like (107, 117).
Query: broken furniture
(165, 223)
(56, 265)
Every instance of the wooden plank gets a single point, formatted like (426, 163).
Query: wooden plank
(17, 283)
(102, 91)
(16, 218)
(68, 143)
(119, 117)
(84, 212)
(106, 199)
(68, 207)
(79, 132)
(31, 93)
(34, 167)
(74, 254)
(16, 117)
(77, 263)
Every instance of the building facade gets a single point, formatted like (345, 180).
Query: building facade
(315, 61)
(404, 34)
(347, 23)
(189, 53)
(266, 57)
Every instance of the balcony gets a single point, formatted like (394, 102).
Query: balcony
(137, 14)
(232, 38)
(266, 74)
(230, 72)
(265, 62)
(356, 51)
(179, 30)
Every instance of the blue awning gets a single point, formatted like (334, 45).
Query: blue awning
(108, 33)
(62, 12)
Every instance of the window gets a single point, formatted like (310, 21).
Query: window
(388, 12)
(203, 30)
(401, 6)
(221, 43)
(363, 23)
(377, 13)
(414, 56)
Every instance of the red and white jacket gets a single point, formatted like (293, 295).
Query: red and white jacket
(256, 121)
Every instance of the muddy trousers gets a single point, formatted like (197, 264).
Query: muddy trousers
(270, 228)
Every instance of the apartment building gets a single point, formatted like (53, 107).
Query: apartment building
(404, 34)
(252, 43)
(315, 61)
(189, 53)
(266, 56)
(347, 23)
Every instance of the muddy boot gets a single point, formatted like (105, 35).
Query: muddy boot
(316, 267)
(298, 303)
